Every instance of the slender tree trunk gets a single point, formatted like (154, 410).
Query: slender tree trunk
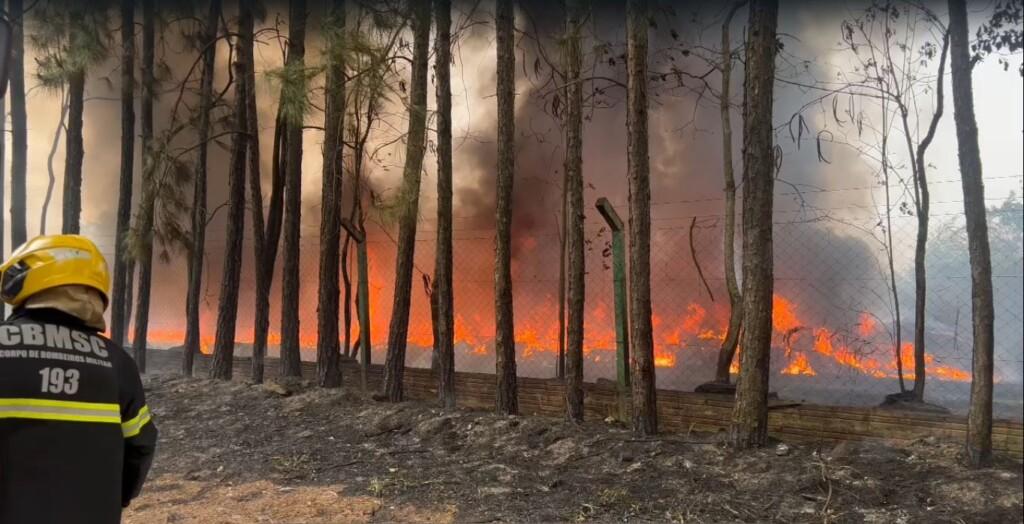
(727, 351)
(920, 288)
(750, 414)
(979, 419)
(645, 416)
(443, 285)
(128, 298)
(435, 358)
(118, 317)
(266, 250)
(144, 223)
(193, 330)
(923, 209)
(51, 182)
(265, 238)
(563, 226)
(291, 360)
(328, 352)
(394, 364)
(346, 310)
(72, 207)
(898, 320)
(504, 340)
(227, 310)
(574, 227)
(19, 123)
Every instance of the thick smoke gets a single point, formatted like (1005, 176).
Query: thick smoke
(814, 243)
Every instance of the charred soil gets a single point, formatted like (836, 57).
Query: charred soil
(289, 452)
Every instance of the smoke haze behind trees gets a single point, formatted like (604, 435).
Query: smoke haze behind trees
(685, 146)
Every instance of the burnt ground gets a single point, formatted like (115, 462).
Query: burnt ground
(234, 452)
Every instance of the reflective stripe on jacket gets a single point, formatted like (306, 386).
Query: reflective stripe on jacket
(76, 436)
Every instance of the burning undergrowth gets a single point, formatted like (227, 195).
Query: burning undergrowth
(821, 333)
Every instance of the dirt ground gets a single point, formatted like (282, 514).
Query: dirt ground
(289, 453)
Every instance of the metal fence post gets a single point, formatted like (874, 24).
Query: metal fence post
(362, 298)
(621, 313)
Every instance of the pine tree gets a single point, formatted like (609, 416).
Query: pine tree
(750, 414)
(328, 353)
(266, 233)
(504, 339)
(118, 317)
(574, 226)
(408, 203)
(291, 361)
(198, 245)
(443, 285)
(227, 309)
(147, 208)
(645, 415)
(19, 123)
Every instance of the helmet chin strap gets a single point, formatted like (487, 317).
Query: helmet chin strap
(81, 302)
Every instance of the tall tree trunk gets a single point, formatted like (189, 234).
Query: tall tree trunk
(394, 364)
(291, 360)
(727, 351)
(346, 293)
(435, 359)
(574, 227)
(645, 415)
(889, 248)
(52, 175)
(504, 340)
(443, 284)
(72, 207)
(750, 414)
(227, 310)
(920, 285)
(118, 317)
(19, 123)
(923, 202)
(979, 418)
(562, 232)
(328, 352)
(266, 240)
(193, 330)
(144, 222)
(129, 293)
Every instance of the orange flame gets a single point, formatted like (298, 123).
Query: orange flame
(696, 327)
(784, 317)
(867, 325)
(664, 359)
(799, 366)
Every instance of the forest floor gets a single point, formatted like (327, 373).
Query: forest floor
(289, 453)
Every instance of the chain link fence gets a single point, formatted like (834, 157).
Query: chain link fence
(835, 320)
(836, 328)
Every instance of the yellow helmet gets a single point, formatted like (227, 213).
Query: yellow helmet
(47, 262)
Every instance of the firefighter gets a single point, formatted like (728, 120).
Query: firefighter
(76, 436)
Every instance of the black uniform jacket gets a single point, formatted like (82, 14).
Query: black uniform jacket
(76, 437)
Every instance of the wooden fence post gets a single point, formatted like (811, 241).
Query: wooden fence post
(621, 314)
